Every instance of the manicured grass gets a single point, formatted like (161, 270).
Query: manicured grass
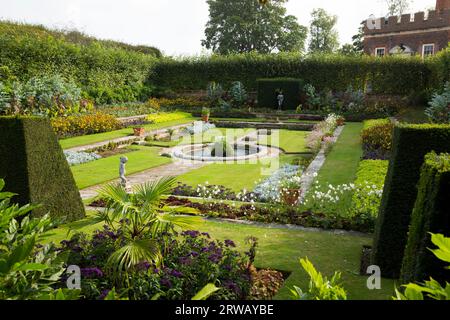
(234, 175)
(99, 137)
(261, 120)
(103, 170)
(289, 140)
(280, 249)
(342, 162)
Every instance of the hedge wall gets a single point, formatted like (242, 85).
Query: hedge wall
(267, 92)
(107, 74)
(389, 75)
(410, 145)
(34, 166)
(431, 214)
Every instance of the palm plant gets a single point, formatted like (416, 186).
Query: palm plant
(142, 222)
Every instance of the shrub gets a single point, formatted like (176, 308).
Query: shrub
(45, 95)
(153, 104)
(439, 110)
(215, 93)
(238, 94)
(410, 145)
(28, 271)
(33, 165)
(167, 117)
(268, 90)
(182, 103)
(430, 289)
(77, 125)
(126, 109)
(430, 215)
(376, 138)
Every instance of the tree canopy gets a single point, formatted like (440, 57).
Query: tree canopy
(323, 37)
(238, 26)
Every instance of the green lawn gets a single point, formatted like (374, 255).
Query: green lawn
(281, 249)
(233, 175)
(289, 140)
(342, 162)
(99, 137)
(103, 170)
(261, 120)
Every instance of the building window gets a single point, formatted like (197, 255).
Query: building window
(380, 52)
(428, 49)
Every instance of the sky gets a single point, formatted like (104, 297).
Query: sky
(174, 26)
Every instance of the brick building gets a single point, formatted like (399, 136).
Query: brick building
(409, 34)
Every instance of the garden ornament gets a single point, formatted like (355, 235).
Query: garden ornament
(123, 179)
(280, 99)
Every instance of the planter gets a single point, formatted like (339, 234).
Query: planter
(139, 132)
(291, 196)
(340, 122)
(205, 118)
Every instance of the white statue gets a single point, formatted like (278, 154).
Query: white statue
(123, 179)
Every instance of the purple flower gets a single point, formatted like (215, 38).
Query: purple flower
(227, 267)
(104, 294)
(165, 282)
(91, 272)
(233, 286)
(206, 234)
(143, 266)
(185, 260)
(229, 243)
(191, 233)
(215, 258)
(194, 254)
(176, 274)
(156, 270)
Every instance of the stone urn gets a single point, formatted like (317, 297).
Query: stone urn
(205, 118)
(139, 131)
(291, 196)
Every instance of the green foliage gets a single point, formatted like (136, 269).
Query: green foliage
(215, 93)
(26, 271)
(439, 110)
(106, 72)
(323, 35)
(376, 138)
(162, 117)
(431, 289)
(141, 222)
(34, 166)
(320, 288)
(410, 145)
(268, 90)
(238, 94)
(84, 124)
(430, 214)
(205, 292)
(333, 72)
(245, 26)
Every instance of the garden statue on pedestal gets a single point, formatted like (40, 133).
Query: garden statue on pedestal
(123, 179)
(280, 99)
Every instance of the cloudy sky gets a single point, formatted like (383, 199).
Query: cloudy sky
(174, 26)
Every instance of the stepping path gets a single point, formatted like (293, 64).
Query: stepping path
(315, 166)
(170, 170)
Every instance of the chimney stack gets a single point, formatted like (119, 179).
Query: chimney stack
(442, 5)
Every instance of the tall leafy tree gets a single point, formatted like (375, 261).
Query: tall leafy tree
(238, 26)
(323, 37)
(398, 7)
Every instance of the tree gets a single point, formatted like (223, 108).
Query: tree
(398, 7)
(237, 26)
(357, 46)
(324, 38)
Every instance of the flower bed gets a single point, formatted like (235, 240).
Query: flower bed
(76, 158)
(269, 189)
(167, 117)
(84, 124)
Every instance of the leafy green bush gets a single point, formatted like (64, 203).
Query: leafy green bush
(430, 214)
(410, 145)
(106, 72)
(46, 95)
(439, 110)
(79, 125)
(320, 288)
(376, 138)
(268, 90)
(26, 270)
(431, 289)
(34, 166)
(238, 94)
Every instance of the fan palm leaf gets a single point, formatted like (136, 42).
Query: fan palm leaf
(133, 253)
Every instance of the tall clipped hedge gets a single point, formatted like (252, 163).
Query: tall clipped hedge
(268, 91)
(106, 73)
(389, 75)
(431, 214)
(410, 145)
(33, 165)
